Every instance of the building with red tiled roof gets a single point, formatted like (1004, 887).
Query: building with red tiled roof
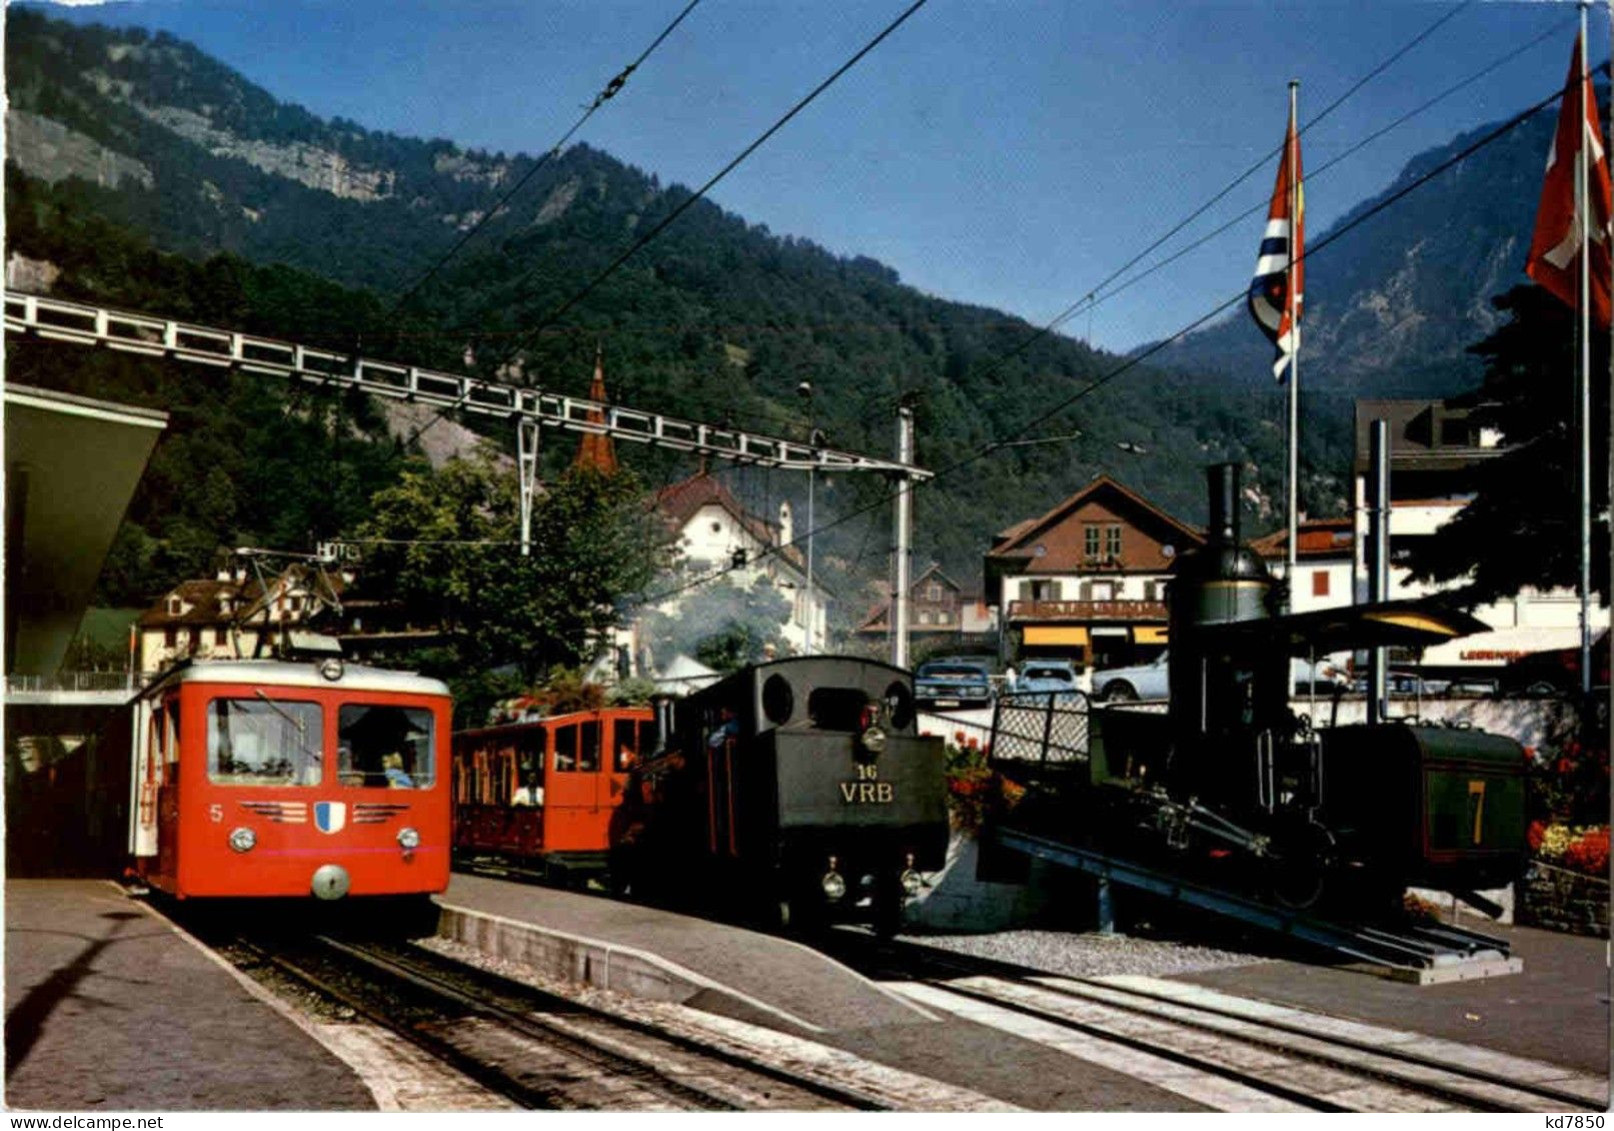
(938, 608)
(1323, 557)
(715, 531)
(1086, 580)
(231, 616)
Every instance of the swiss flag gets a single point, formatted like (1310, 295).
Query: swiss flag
(1555, 248)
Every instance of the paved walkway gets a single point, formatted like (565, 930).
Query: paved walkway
(108, 1008)
(1556, 1010)
(784, 974)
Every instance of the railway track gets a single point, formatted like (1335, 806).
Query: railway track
(539, 1050)
(1236, 1052)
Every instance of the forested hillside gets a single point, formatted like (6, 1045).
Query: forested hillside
(125, 146)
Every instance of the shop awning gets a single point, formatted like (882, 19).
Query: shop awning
(1149, 634)
(1056, 634)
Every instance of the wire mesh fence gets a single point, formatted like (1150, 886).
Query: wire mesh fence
(1040, 726)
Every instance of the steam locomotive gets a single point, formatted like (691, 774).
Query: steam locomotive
(1233, 787)
(799, 791)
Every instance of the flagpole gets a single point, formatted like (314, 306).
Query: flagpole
(1294, 357)
(1583, 205)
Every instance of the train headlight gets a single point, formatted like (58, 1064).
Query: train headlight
(408, 839)
(331, 669)
(874, 740)
(834, 886)
(243, 839)
(911, 882)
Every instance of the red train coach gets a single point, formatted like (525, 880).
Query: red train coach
(270, 778)
(543, 793)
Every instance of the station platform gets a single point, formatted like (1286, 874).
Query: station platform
(643, 950)
(1556, 1009)
(109, 1008)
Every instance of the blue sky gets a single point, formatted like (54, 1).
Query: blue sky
(1011, 153)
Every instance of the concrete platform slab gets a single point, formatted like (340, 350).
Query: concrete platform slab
(1555, 1010)
(107, 1007)
(660, 954)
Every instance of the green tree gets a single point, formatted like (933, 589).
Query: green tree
(446, 545)
(1527, 500)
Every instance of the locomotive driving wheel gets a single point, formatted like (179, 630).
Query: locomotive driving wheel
(1301, 860)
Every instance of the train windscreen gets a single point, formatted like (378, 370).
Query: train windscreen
(263, 741)
(385, 746)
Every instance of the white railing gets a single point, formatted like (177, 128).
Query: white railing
(77, 681)
(80, 324)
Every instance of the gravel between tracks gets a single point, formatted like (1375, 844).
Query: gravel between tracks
(1088, 955)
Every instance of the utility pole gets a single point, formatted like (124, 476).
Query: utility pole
(527, 466)
(1378, 578)
(904, 533)
(805, 389)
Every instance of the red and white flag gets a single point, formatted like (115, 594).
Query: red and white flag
(1279, 284)
(1555, 248)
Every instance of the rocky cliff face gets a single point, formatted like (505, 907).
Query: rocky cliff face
(1394, 303)
(47, 149)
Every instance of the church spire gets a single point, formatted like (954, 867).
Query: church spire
(597, 451)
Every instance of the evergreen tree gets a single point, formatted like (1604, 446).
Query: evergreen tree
(1523, 526)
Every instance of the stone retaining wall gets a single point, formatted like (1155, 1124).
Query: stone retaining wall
(1560, 900)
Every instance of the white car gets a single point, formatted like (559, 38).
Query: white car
(1151, 681)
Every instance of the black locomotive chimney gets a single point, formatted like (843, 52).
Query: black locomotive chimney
(1222, 480)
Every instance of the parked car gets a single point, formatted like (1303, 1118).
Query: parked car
(1556, 672)
(1139, 681)
(1407, 684)
(1150, 680)
(1047, 676)
(952, 683)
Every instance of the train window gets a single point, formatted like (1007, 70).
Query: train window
(649, 738)
(566, 748)
(263, 741)
(899, 705)
(837, 708)
(381, 746)
(778, 699)
(588, 758)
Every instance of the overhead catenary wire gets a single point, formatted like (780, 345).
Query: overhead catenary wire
(1137, 359)
(607, 92)
(1318, 171)
(1092, 297)
(683, 206)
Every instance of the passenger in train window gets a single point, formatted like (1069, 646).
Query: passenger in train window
(530, 794)
(392, 765)
(728, 727)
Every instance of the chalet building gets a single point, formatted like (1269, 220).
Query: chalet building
(1434, 451)
(1324, 562)
(1087, 580)
(234, 615)
(713, 531)
(940, 611)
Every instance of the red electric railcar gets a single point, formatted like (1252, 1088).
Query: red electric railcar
(270, 778)
(543, 793)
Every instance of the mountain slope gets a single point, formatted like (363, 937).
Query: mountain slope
(717, 318)
(1393, 303)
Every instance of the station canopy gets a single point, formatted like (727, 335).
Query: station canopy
(1383, 624)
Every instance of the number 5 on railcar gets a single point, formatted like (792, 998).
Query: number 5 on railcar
(267, 778)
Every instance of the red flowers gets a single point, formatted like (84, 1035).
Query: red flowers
(1589, 853)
